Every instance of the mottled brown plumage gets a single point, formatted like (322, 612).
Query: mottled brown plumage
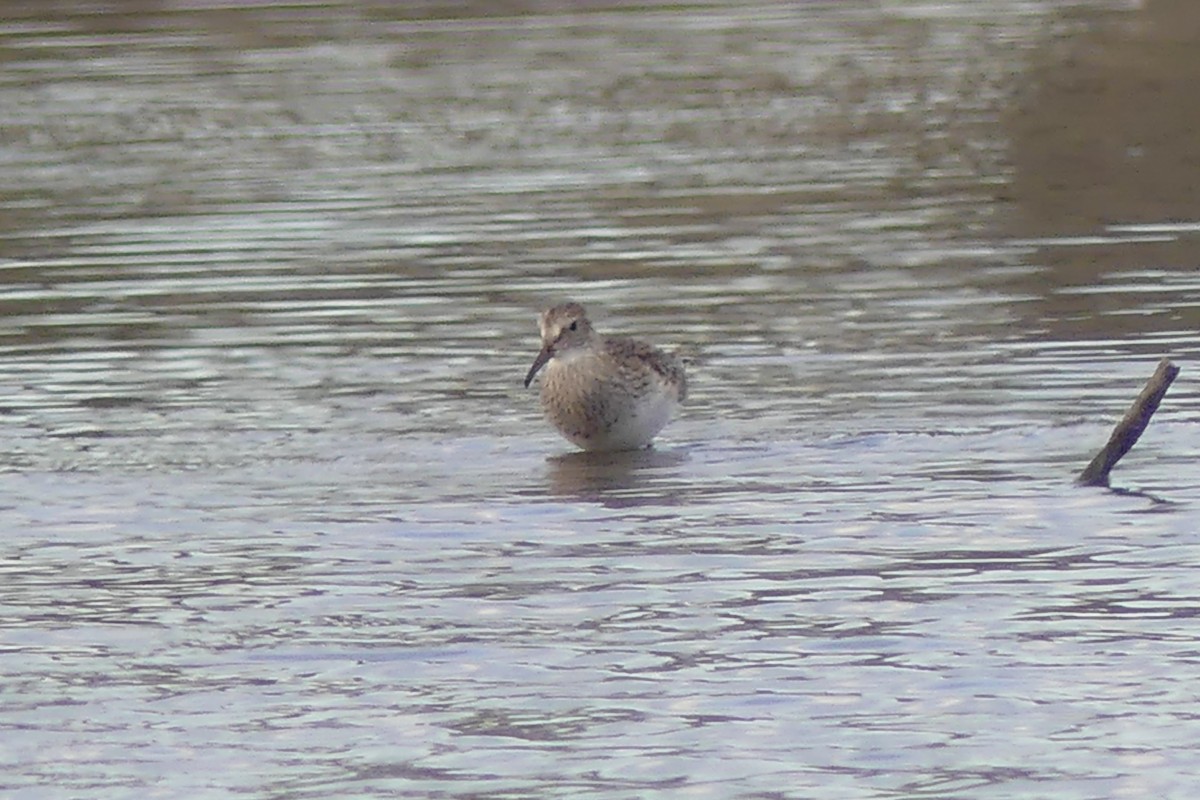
(601, 392)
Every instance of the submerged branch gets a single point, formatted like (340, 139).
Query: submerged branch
(1130, 428)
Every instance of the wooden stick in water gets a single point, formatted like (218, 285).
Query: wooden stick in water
(1126, 434)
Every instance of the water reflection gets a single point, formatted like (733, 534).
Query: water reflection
(619, 480)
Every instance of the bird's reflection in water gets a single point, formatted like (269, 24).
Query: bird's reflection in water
(624, 478)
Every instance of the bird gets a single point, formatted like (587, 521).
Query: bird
(603, 393)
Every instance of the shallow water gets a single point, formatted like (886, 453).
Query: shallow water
(282, 522)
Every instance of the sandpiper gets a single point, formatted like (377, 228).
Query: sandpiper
(601, 392)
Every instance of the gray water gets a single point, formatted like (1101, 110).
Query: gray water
(280, 520)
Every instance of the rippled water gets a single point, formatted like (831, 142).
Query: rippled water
(282, 522)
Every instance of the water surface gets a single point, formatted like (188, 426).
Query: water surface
(281, 520)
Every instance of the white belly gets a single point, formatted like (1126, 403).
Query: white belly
(597, 411)
(632, 430)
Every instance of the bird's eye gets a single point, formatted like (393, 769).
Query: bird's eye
(574, 325)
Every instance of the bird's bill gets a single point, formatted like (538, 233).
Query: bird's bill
(538, 363)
